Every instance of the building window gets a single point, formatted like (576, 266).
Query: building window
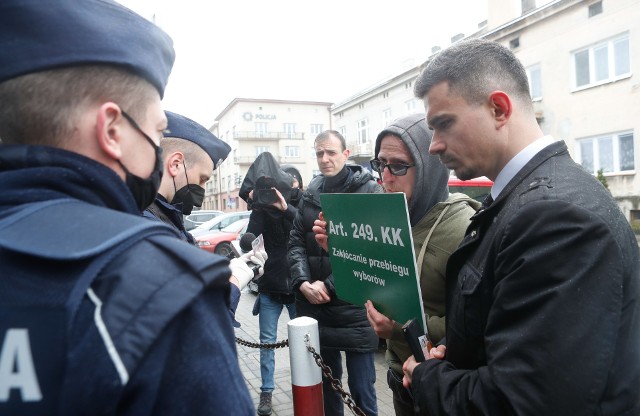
(363, 131)
(290, 129)
(595, 9)
(343, 131)
(386, 117)
(603, 62)
(535, 82)
(514, 43)
(611, 153)
(292, 151)
(410, 106)
(261, 129)
(261, 149)
(317, 129)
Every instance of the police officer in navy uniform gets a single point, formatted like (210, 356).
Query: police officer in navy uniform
(190, 154)
(101, 310)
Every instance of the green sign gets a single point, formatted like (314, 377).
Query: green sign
(371, 253)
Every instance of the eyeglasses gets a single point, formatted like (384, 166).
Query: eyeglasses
(396, 169)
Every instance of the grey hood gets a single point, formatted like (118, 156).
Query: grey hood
(431, 175)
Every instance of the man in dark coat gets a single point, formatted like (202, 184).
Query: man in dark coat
(342, 326)
(543, 293)
(101, 310)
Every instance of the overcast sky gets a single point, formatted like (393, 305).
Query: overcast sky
(295, 49)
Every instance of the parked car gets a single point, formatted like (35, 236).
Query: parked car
(196, 218)
(219, 222)
(477, 188)
(219, 242)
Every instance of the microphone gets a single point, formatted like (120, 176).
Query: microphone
(245, 242)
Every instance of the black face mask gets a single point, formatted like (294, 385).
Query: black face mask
(144, 190)
(188, 196)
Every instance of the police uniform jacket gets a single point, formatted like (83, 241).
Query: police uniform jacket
(543, 308)
(162, 210)
(143, 332)
(341, 325)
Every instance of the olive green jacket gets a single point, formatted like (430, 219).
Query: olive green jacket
(444, 225)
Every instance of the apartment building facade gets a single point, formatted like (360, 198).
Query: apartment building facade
(579, 55)
(250, 126)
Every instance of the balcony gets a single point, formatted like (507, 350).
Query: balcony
(360, 150)
(267, 135)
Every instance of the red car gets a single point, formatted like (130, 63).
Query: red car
(477, 188)
(219, 242)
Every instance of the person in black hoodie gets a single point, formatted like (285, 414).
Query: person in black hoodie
(273, 220)
(342, 326)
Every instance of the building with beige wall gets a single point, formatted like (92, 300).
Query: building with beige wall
(580, 56)
(286, 129)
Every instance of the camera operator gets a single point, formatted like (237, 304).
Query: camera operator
(269, 192)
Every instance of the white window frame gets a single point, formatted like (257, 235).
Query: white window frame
(410, 106)
(362, 127)
(316, 129)
(535, 82)
(289, 129)
(292, 151)
(261, 128)
(261, 149)
(597, 143)
(386, 117)
(592, 52)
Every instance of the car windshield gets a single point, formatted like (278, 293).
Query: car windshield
(208, 224)
(235, 227)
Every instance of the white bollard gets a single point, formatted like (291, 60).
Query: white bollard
(306, 376)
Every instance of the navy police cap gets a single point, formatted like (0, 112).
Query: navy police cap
(182, 127)
(37, 35)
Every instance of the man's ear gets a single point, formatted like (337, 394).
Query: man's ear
(501, 106)
(109, 129)
(174, 163)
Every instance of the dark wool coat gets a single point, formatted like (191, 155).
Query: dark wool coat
(341, 325)
(543, 303)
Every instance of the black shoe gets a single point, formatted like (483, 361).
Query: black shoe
(264, 408)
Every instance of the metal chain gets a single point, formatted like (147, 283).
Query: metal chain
(265, 346)
(335, 383)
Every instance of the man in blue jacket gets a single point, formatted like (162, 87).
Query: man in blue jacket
(101, 310)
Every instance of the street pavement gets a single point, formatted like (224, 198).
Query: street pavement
(249, 359)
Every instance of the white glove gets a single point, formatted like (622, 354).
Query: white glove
(241, 271)
(258, 257)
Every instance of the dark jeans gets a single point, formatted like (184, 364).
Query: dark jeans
(361, 374)
(402, 399)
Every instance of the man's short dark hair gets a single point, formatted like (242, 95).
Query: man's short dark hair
(327, 135)
(473, 69)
